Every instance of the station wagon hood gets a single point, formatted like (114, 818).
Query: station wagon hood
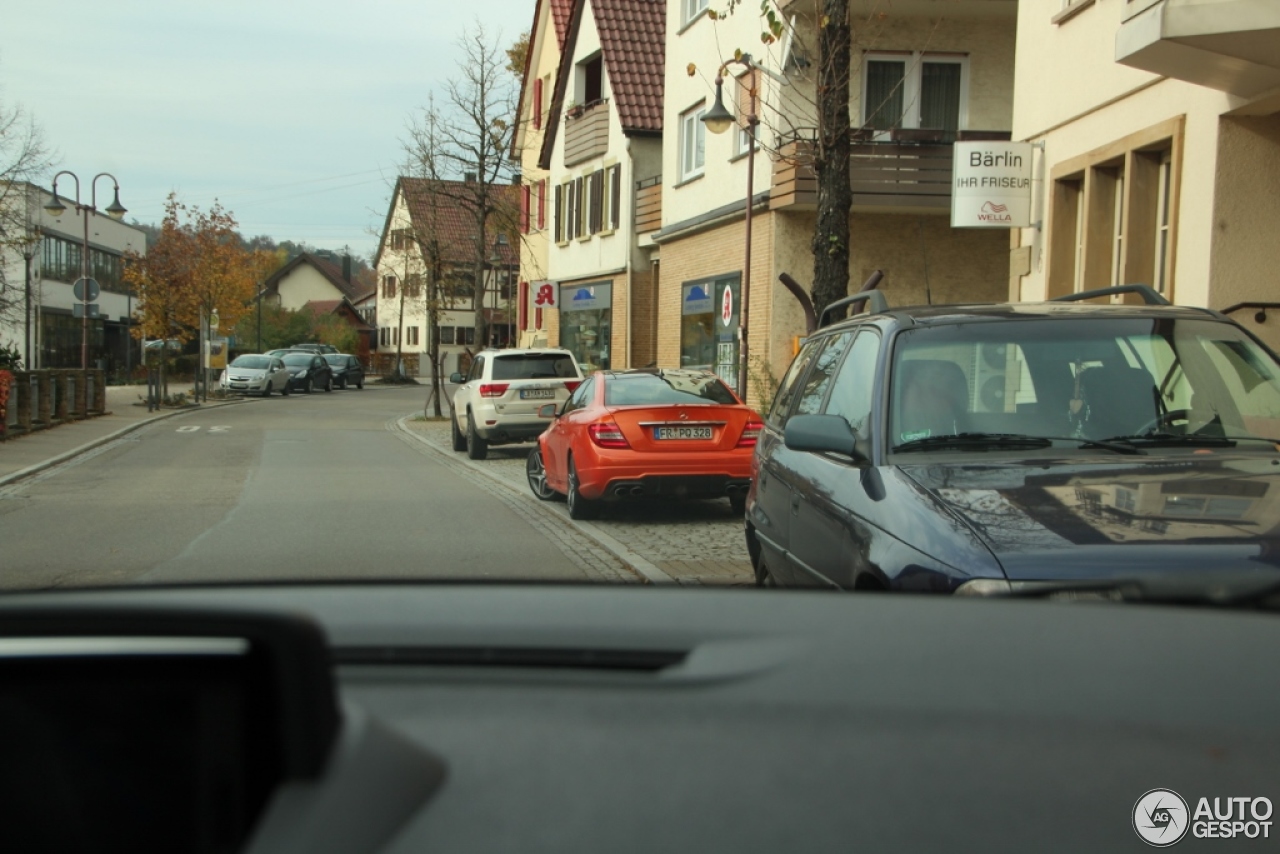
(1063, 520)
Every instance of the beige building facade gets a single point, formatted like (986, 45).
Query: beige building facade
(1159, 122)
(919, 83)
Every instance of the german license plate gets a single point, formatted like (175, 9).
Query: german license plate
(537, 394)
(682, 432)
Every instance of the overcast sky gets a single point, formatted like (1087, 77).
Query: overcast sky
(290, 113)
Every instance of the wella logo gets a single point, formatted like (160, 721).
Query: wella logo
(992, 212)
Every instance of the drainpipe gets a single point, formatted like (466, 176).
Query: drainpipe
(626, 213)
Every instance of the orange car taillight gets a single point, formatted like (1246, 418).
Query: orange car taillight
(607, 435)
(494, 389)
(572, 385)
(750, 434)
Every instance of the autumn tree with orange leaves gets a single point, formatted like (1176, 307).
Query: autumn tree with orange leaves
(195, 266)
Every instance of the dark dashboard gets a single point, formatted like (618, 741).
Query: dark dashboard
(532, 718)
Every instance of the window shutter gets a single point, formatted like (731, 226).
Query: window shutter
(524, 208)
(597, 201)
(522, 307)
(537, 104)
(558, 212)
(542, 204)
(615, 198)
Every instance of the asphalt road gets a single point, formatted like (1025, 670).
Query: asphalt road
(304, 487)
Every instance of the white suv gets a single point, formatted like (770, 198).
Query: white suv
(497, 402)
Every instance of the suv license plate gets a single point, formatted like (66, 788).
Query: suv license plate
(682, 432)
(537, 394)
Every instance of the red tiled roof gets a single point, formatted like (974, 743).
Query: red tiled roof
(327, 269)
(633, 41)
(322, 306)
(444, 209)
(560, 12)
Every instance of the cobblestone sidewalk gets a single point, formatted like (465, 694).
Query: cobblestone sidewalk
(693, 542)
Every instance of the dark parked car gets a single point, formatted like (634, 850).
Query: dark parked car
(308, 372)
(347, 370)
(979, 449)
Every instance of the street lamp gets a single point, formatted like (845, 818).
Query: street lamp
(115, 210)
(718, 120)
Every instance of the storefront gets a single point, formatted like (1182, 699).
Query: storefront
(586, 323)
(709, 312)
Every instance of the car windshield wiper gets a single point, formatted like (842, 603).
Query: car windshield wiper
(975, 441)
(1171, 440)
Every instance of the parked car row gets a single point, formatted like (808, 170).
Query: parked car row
(609, 436)
(291, 370)
(975, 449)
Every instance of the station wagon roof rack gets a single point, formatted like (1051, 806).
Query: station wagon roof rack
(876, 304)
(1149, 296)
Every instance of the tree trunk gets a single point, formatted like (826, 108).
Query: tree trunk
(831, 158)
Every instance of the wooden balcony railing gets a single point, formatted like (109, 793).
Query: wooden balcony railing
(586, 132)
(649, 205)
(911, 171)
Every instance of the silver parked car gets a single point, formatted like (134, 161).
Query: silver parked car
(256, 374)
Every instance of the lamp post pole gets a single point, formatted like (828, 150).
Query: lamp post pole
(718, 120)
(116, 211)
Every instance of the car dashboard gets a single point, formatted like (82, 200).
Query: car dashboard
(398, 718)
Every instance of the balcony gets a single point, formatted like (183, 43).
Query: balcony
(586, 132)
(912, 169)
(1229, 45)
(649, 205)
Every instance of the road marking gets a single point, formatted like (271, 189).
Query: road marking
(190, 428)
(220, 429)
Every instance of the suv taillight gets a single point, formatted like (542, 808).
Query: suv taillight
(750, 434)
(607, 435)
(494, 389)
(572, 385)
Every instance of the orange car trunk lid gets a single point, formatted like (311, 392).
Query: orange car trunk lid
(681, 428)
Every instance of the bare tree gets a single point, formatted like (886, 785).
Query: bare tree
(24, 157)
(474, 135)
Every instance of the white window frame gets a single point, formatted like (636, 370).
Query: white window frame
(692, 129)
(691, 9)
(912, 78)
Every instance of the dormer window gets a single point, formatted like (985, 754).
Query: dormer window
(589, 86)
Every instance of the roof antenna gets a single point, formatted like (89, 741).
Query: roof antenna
(924, 256)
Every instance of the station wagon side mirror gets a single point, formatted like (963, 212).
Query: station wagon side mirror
(547, 410)
(823, 434)
(455, 378)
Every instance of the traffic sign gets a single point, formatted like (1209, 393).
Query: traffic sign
(82, 284)
(78, 309)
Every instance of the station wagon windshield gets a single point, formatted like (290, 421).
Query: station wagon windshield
(1098, 379)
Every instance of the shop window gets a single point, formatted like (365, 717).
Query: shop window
(586, 323)
(707, 340)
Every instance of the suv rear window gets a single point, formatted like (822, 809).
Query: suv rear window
(534, 366)
(643, 389)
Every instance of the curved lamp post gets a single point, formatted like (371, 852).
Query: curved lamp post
(115, 210)
(718, 120)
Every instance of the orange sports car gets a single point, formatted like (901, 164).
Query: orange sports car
(656, 433)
